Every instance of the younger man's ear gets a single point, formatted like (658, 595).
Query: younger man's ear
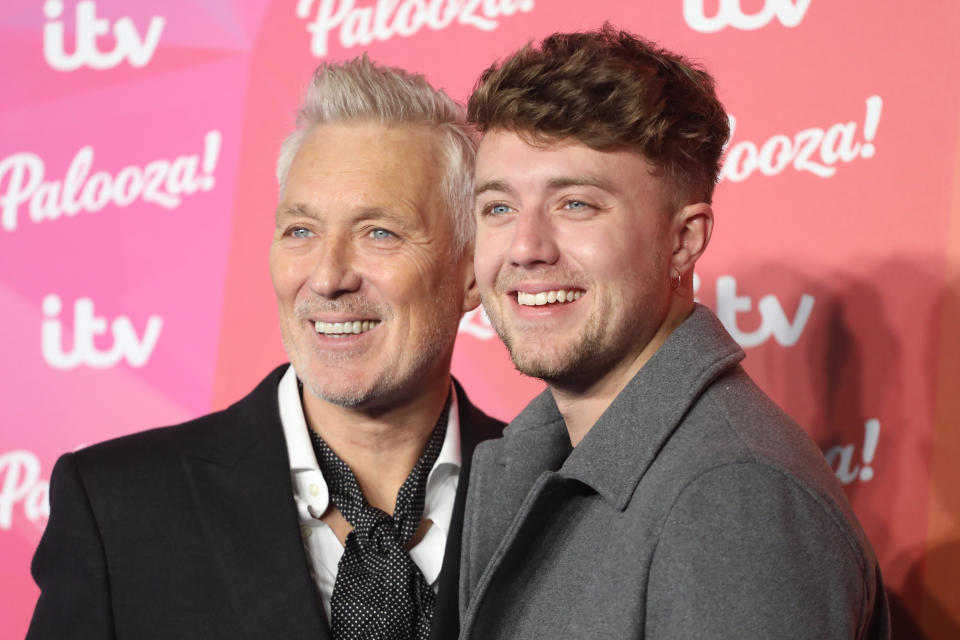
(692, 227)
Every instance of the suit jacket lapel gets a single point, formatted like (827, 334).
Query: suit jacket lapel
(475, 426)
(241, 480)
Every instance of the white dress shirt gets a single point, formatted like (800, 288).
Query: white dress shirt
(312, 497)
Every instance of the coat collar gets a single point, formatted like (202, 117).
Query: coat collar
(618, 449)
(248, 422)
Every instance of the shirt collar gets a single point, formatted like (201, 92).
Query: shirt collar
(302, 458)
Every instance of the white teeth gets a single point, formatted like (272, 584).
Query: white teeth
(340, 328)
(547, 297)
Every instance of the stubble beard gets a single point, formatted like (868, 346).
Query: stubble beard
(571, 365)
(395, 379)
(586, 358)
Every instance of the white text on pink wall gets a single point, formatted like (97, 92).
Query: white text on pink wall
(730, 13)
(815, 150)
(774, 322)
(89, 32)
(161, 182)
(87, 327)
(386, 19)
(840, 457)
(22, 485)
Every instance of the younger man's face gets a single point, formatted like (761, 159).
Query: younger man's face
(573, 255)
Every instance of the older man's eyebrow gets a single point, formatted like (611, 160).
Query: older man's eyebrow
(293, 210)
(492, 185)
(380, 215)
(363, 214)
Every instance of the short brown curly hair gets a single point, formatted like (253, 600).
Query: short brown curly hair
(611, 90)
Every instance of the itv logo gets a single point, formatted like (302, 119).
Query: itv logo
(790, 13)
(128, 45)
(127, 345)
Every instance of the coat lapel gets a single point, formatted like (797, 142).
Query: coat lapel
(504, 490)
(241, 480)
(536, 466)
(617, 451)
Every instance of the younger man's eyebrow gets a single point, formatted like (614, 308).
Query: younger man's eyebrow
(553, 184)
(578, 181)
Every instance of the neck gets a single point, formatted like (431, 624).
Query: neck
(582, 406)
(381, 447)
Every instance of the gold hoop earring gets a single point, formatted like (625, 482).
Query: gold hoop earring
(676, 285)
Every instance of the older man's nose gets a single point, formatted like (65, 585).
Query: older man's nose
(334, 273)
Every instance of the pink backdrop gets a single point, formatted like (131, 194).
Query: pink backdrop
(137, 146)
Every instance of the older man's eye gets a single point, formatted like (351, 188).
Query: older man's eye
(575, 204)
(299, 233)
(381, 234)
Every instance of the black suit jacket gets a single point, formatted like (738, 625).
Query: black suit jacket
(191, 532)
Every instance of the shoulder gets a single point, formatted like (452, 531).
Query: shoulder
(735, 421)
(147, 447)
(770, 503)
(475, 425)
(750, 531)
(738, 461)
(162, 446)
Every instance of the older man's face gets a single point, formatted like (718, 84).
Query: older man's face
(369, 289)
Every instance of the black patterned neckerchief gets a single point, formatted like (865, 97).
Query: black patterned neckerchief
(379, 591)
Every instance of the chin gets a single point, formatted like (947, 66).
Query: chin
(348, 397)
(574, 366)
(539, 367)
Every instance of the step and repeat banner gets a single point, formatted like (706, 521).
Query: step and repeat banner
(137, 150)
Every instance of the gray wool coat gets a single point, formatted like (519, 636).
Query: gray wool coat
(694, 508)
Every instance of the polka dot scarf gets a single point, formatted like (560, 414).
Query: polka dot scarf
(380, 592)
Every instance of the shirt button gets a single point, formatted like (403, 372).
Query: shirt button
(314, 489)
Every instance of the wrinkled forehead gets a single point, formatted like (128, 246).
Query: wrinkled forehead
(394, 151)
(352, 171)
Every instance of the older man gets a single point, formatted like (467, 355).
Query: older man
(652, 490)
(328, 502)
